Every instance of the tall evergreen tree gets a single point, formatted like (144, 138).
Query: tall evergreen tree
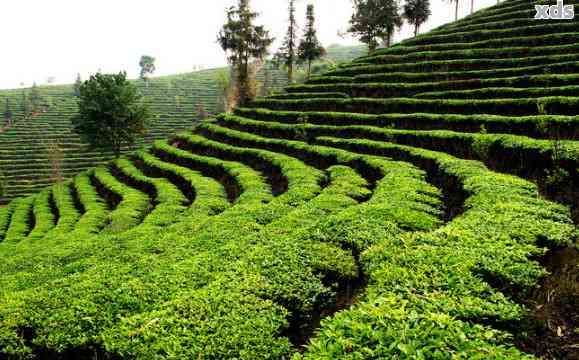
(286, 55)
(243, 42)
(417, 12)
(310, 48)
(375, 20)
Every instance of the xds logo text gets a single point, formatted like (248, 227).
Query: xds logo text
(555, 12)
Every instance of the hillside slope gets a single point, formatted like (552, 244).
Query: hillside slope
(393, 208)
(174, 101)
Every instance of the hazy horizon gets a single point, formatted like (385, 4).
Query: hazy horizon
(62, 39)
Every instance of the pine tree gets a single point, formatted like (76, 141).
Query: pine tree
(417, 12)
(310, 48)
(243, 42)
(375, 20)
(286, 55)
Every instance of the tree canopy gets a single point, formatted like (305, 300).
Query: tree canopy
(310, 48)
(147, 64)
(374, 21)
(111, 112)
(35, 98)
(417, 12)
(243, 42)
(286, 55)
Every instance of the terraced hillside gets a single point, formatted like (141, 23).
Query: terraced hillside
(174, 101)
(397, 207)
(23, 147)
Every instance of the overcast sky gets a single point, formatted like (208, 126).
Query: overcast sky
(60, 38)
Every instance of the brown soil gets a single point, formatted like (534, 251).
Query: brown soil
(553, 329)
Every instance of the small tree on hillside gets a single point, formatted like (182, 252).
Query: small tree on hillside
(111, 112)
(417, 12)
(25, 104)
(147, 64)
(35, 98)
(8, 112)
(310, 48)
(243, 42)
(375, 20)
(77, 85)
(286, 55)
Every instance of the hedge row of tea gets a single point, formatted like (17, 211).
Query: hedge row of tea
(174, 101)
(231, 240)
(24, 154)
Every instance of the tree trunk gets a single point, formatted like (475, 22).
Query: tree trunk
(309, 68)
(241, 83)
(471, 6)
(416, 26)
(456, 10)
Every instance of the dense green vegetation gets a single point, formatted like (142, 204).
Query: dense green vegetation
(174, 101)
(405, 200)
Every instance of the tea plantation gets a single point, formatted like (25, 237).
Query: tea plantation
(174, 101)
(393, 208)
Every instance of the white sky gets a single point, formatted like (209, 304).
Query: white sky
(60, 38)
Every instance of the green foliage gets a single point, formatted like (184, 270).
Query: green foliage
(35, 98)
(310, 48)
(25, 107)
(287, 54)
(416, 12)
(223, 80)
(374, 21)
(111, 112)
(23, 156)
(243, 42)
(147, 65)
(8, 114)
(556, 105)
(2, 185)
(381, 175)
(77, 85)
